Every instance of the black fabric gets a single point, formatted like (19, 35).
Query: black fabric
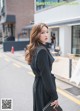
(44, 88)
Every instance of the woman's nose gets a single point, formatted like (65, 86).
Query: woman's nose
(46, 34)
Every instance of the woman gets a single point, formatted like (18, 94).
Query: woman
(40, 60)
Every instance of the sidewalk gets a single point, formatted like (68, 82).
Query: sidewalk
(60, 67)
(63, 70)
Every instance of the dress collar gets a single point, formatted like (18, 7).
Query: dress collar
(45, 45)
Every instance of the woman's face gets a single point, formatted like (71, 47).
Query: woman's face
(44, 35)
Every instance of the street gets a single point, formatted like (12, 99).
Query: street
(16, 80)
(28, 25)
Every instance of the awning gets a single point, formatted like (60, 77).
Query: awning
(8, 19)
(58, 23)
(65, 22)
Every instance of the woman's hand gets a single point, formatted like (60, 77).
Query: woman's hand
(55, 103)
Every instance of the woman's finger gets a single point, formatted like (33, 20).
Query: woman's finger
(54, 103)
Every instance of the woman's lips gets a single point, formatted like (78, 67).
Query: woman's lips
(46, 38)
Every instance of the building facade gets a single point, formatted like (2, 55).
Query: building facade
(15, 14)
(63, 18)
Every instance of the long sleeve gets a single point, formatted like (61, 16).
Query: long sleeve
(44, 68)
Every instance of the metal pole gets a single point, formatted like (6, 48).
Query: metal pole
(70, 67)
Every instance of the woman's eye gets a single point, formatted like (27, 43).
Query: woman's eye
(44, 32)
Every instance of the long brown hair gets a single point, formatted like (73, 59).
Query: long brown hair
(34, 41)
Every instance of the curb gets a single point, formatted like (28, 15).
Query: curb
(66, 81)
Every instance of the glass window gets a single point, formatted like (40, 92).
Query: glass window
(76, 39)
(40, 4)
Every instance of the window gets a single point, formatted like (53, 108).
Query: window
(41, 4)
(76, 39)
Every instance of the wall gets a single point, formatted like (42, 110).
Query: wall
(18, 45)
(59, 13)
(65, 39)
(23, 10)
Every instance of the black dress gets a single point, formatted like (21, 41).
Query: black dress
(44, 87)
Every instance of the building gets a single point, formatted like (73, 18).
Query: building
(16, 14)
(63, 18)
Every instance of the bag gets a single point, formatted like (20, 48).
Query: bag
(48, 107)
